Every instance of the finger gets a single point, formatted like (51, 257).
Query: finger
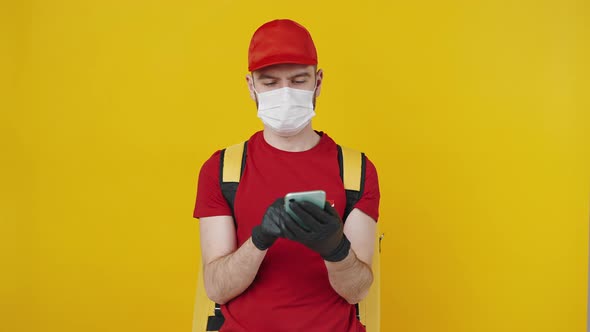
(287, 219)
(314, 211)
(292, 228)
(308, 219)
(279, 202)
(285, 230)
(274, 226)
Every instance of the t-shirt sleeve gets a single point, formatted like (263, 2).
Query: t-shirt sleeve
(210, 201)
(369, 202)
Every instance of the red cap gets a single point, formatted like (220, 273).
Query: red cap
(281, 41)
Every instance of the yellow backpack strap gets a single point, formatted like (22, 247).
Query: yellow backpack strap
(231, 167)
(352, 165)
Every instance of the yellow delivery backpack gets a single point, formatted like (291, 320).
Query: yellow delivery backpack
(207, 314)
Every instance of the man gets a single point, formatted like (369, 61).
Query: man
(267, 272)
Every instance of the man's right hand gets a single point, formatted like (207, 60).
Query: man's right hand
(269, 230)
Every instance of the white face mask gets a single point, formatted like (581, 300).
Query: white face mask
(286, 111)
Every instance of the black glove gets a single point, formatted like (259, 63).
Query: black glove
(325, 235)
(265, 234)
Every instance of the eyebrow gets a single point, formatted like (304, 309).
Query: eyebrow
(305, 74)
(267, 76)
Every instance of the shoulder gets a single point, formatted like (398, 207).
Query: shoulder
(256, 138)
(358, 156)
(370, 167)
(211, 163)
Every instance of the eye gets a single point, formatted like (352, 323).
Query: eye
(269, 83)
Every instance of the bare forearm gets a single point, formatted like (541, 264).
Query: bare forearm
(228, 276)
(351, 277)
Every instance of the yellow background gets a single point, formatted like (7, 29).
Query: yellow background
(475, 113)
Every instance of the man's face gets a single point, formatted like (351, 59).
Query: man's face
(302, 77)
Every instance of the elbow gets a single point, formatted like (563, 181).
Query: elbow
(214, 292)
(215, 296)
(356, 299)
(360, 295)
(352, 301)
(219, 301)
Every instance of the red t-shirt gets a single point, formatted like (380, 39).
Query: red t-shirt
(291, 291)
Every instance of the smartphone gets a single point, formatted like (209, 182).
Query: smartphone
(317, 197)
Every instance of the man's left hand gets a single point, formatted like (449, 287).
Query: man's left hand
(325, 235)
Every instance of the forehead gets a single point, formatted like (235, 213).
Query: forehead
(284, 70)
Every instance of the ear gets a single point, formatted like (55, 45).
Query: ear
(250, 82)
(319, 79)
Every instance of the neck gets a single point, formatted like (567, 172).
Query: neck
(302, 141)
